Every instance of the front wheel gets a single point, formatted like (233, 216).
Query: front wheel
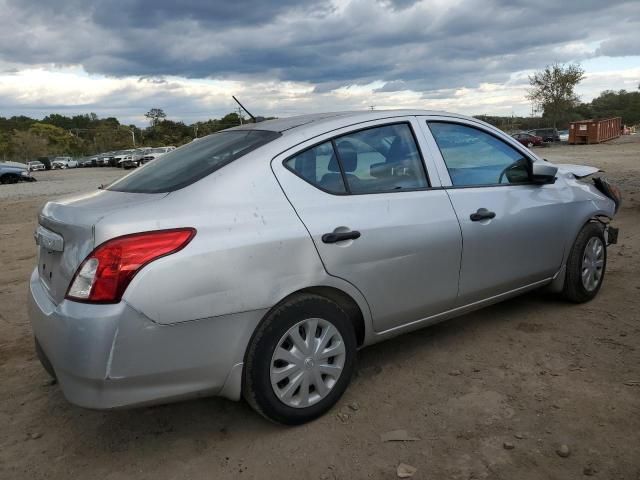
(586, 264)
(300, 360)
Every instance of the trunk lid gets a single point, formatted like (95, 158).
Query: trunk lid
(66, 233)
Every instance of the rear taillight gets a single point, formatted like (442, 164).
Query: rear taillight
(105, 274)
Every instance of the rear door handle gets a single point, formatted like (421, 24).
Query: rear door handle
(340, 236)
(482, 214)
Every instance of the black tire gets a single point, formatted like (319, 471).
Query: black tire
(257, 389)
(9, 179)
(574, 289)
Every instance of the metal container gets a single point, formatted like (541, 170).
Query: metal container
(594, 131)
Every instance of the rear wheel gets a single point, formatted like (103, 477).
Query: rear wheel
(586, 264)
(300, 360)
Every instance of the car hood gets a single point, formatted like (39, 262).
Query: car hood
(579, 171)
(16, 165)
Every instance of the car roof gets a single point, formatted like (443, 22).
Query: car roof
(286, 124)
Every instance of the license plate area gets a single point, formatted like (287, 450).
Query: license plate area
(47, 264)
(50, 248)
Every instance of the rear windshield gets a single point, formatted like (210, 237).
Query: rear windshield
(191, 162)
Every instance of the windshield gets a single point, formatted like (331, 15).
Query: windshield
(191, 162)
(157, 150)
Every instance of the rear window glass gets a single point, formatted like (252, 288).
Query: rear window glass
(191, 162)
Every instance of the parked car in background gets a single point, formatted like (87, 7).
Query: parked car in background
(64, 162)
(547, 134)
(13, 172)
(127, 159)
(563, 135)
(35, 165)
(154, 153)
(528, 140)
(88, 162)
(46, 161)
(106, 159)
(256, 261)
(118, 156)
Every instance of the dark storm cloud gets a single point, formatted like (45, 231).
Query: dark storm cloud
(407, 44)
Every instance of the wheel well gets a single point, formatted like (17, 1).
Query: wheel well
(345, 301)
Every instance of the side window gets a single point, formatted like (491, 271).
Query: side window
(319, 167)
(474, 157)
(381, 159)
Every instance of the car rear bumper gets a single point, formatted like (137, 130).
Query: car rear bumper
(111, 356)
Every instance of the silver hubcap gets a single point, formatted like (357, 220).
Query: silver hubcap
(307, 362)
(592, 264)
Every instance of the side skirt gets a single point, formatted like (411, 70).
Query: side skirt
(455, 312)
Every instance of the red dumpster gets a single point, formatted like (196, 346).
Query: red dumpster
(594, 131)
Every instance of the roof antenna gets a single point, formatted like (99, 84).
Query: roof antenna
(242, 106)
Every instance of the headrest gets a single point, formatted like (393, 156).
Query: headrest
(349, 162)
(398, 150)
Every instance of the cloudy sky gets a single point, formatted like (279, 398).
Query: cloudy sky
(283, 57)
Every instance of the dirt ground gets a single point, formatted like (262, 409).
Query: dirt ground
(492, 394)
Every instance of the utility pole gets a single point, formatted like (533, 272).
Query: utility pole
(372, 107)
(133, 136)
(195, 131)
(240, 114)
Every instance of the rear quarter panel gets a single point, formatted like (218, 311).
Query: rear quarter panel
(250, 250)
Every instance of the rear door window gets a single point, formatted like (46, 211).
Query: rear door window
(191, 162)
(373, 160)
(381, 159)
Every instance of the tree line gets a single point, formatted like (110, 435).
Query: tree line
(23, 138)
(552, 91)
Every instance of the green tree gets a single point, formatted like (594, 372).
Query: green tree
(155, 116)
(59, 140)
(26, 145)
(553, 90)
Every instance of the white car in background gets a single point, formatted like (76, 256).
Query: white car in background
(35, 165)
(124, 159)
(64, 162)
(154, 153)
(563, 135)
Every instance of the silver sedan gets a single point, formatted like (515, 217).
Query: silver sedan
(256, 261)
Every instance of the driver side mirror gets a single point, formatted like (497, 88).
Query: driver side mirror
(543, 172)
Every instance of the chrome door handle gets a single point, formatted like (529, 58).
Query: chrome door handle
(482, 214)
(340, 236)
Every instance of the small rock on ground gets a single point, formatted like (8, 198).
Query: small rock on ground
(563, 451)
(405, 471)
